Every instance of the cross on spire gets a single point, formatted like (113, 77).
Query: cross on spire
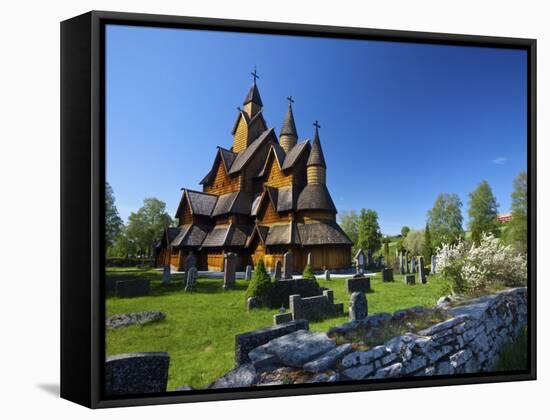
(290, 100)
(255, 74)
(316, 124)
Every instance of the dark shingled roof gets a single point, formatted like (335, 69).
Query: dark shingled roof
(278, 235)
(261, 231)
(201, 203)
(228, 157)
(216, 237)
(294, 153)
(244, 156)
(316, 156)
(316, 197)
(207, 177)
(253, 95)
(238, 235)
(238, 202)
(171, 233)
(286, 199)
(190, 235)
(289, 126)
(322, 233)
(279, 153)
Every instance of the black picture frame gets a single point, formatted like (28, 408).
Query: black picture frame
(82, 205)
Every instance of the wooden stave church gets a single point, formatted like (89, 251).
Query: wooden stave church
(261, 198)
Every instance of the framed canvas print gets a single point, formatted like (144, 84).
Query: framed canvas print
(255, 209)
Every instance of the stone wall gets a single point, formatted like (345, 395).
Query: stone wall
(468, 340)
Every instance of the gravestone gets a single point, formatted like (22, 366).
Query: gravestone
(278, 272)
(315, 308)
(191, 279)
(283, 318)
(360, 261)
(401, 265)
(133, 287)
(166, 275)
(358, 306)
(190, 261)
(433, 263)
(252, 302)
(387, 274)
(409, 279)
(288, 265)
(136, 373)
(327, 275)
(413, 265)
(421, 270)
(370, 262)
(358, 284)
(248, 272)
(229, 270)
(407, 263)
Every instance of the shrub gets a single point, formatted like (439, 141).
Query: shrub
(476, 267)
(260, 284)
(308, 273)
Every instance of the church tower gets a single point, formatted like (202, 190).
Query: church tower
(288, 136)
(316, 166)
(252, 102)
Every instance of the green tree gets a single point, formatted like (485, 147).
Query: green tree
(516, 229)
(386, 249)
(113, 222)
(146, 226)
(427, 250)
(401, 239)
(308, 273)
(368, 232)
(260, 284)
(445, 220)
(349, 224)
(414, 242)
(482, 212)
(405, 231)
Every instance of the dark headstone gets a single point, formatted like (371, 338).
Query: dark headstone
(315, 308)
(409, 279)
(245, 342)
(413, 264)
(191, 279)
(278, 271)
(133, 287)
(327, 275)
(288, 265)
(252, 303)
(422, 270)
(282, 318)
(360, 261)
(230, 268)
(358, 306)
(248, 272)
(387, 274)
(166, 275)
(358, 284)
(136, 373)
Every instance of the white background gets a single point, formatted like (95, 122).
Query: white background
(29, 222)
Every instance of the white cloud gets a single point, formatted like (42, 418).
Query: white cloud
(500, 160)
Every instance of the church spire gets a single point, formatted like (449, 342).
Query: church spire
(253, 102)
(316, 166)
(288, 136)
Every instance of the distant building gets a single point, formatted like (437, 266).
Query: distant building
(262, 197)
(504, 218)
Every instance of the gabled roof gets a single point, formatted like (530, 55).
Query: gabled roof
(227, 157)
(227, 235)
(289, 126)
(249, 121)
(190, 235)
(293, 155)
(279, 155)
(286, 234)
(244, 156)
(238, 202)
(322, 233)
(316, 156)
(253, 95)
(316, 197)
(260, 231)
(200, 203)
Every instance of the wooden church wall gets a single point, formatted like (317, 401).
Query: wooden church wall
(275, 176)
(240, 138)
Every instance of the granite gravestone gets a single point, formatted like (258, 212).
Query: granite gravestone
(421, 270)
(327, 275)
(277, 274)
(166, 275)
(409, 279)
(288, 265)
(191, 279)
(136, 373)
(413, 265)
(433, 263)
(358, 306)
(230, 267)
(360, 261)
(387, 274)
(248, 272)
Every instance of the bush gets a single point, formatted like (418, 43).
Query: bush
(308, 273)
(260, 284)
(472, 268)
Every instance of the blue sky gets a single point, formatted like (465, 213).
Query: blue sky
(399, 122)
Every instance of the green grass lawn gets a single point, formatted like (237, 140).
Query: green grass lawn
(200, 327)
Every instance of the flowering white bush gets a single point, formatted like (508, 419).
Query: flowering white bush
(474, 267)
